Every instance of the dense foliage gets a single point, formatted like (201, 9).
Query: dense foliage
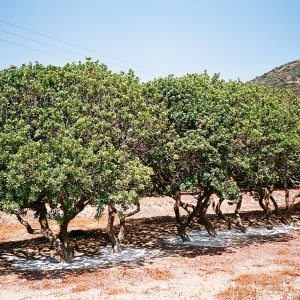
(81, 134)
(72, 136)
(244, 131)
(231, 136)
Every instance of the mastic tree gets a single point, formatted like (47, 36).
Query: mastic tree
(72, 136)
(195, 158)
(266, 144)
(81, 134)
(230, 137)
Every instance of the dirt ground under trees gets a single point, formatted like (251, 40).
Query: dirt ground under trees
(259, 267)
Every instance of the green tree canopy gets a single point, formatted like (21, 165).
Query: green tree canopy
(71, 136)
(229, 135)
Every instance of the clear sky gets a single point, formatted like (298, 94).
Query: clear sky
(237, 38)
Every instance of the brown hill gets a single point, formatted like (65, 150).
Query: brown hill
(285, 76)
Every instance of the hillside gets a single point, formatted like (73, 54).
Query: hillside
(285, 76)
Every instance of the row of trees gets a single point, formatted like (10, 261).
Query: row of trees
(80, 134)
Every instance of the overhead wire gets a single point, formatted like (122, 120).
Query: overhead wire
(40, 42)
(9, 42)
(34, 49)
(74, 45)
(68, 51)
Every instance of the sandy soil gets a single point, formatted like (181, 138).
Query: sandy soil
(260, 267)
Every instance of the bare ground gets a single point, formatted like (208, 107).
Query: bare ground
(261, 267)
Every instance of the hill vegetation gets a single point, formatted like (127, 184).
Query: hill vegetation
(285, 76)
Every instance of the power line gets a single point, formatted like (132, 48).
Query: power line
(40, 42)
(45, 52)
(68, 50)
(35, 49)
(49, 37)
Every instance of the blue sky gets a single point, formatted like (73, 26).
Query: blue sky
(237, 38)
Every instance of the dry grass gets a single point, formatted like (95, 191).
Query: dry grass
(259, 265)
(80, 223)
(239, 293)
(253, 286)
(116, 291)
(129, 273)
(284, 261)
(49, 285)
(157, 274)
(81, 287)
(282, 252)
(83, 223)
(35, 287)
(260, 279)
(71, 280)
(290, 297)
(289, 272)
(46, 285)
(8, 231)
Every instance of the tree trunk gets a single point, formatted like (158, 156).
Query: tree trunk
(217, 209)
(261, 194)
(238, 222)
(264, 196)
(294, 198)
(122, 232)
(180, 229)
(117, 239)
(283, 218)
(288, 206)
(269, 192)
(199, 211)
(26, 224)
(187, 207)
(67, 255)
(115, 243)
(202, 218)
(287, 198)
(289, 211)
(63, 252)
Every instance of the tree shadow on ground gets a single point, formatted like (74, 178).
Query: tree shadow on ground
(144, 233)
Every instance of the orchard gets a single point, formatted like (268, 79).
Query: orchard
(83, 135)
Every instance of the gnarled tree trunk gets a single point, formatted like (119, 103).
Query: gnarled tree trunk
(202, 218)
(218, 211)
(294, 198)
(115, 243)
(63, 237)
(62, 247)
(238, 221)
(289, 210)
(114, 238)
(282, 217)
(122, 232)
(198, 212)
(264, 197)
(180, 229)
(26, 224)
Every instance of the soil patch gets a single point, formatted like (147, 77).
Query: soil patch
(258, 266)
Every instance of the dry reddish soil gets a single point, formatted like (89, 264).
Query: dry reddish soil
(261, 267)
